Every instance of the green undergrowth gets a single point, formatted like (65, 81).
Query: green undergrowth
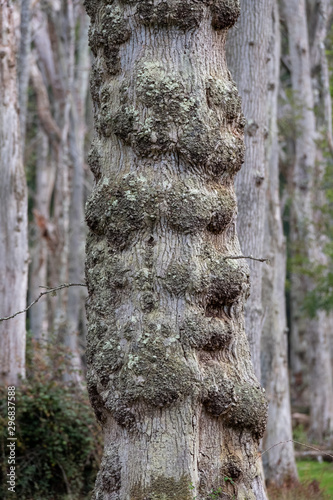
(322, 472)
(316, 483)
(58, 445)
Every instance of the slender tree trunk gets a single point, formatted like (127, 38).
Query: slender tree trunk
(76, 295)
(312, 366)
(23, 65)
(321, 380)
(247, 55)
(279, 461)
(61, 97)
(13, 210)
(169, 370)
(43, 239)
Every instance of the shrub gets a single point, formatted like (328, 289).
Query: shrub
(58, 441)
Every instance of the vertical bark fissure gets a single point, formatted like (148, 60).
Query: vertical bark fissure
(169, 369)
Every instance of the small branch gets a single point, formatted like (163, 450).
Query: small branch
(245, 257)
(49, 290)
(297, 442)
(69, 493)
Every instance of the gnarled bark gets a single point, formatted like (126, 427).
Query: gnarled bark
(169, 370)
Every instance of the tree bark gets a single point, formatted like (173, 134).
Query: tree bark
(279, 461)
(247, 56)
(13, 210)
(169, 370)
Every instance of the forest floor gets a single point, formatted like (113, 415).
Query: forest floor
(309, 470)
(316, 483)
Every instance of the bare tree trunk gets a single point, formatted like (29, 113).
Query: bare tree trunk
(279, 461)
(321, 380)
(23, 65)
(43, 239)
(170, 376)
(312, 366)
(247, 55)
(13, 210)
(61, 98)
(76, 296)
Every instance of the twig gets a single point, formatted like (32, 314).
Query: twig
(49, 290)
(297, 442)
(245, 257)
(69, 493)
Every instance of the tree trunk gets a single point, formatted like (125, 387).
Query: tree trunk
(61, 96)
(279, 461)
(311, 366)
(247, 55)
(23, 65)
(13, 210)
(169, 370)
(76, 295)
(43, 239)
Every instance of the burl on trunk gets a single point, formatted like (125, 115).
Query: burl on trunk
(170, 375)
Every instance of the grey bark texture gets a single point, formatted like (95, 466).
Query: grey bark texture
(169, 370)
(279, 461)
(247, 51)
(13, 210)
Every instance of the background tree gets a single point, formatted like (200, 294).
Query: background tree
(254, 54)
(59, 75)
(310, 363)
(13, 209)
(169, 372)
(248, 48)
(279, 461)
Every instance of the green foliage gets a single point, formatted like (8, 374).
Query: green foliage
(322, 472)
(58, 444)
(321, 297)
(300, 435)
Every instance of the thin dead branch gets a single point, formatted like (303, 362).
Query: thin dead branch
(49, 290)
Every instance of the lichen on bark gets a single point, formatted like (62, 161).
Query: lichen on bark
(169, 372)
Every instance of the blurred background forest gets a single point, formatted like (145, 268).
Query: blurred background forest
(286, 186)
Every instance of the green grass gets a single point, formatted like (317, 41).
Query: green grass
(322, 472)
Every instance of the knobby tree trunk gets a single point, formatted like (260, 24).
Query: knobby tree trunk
(247, 55)
(279, 461)
(13, 209)
(310, 360)
(169, 370)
